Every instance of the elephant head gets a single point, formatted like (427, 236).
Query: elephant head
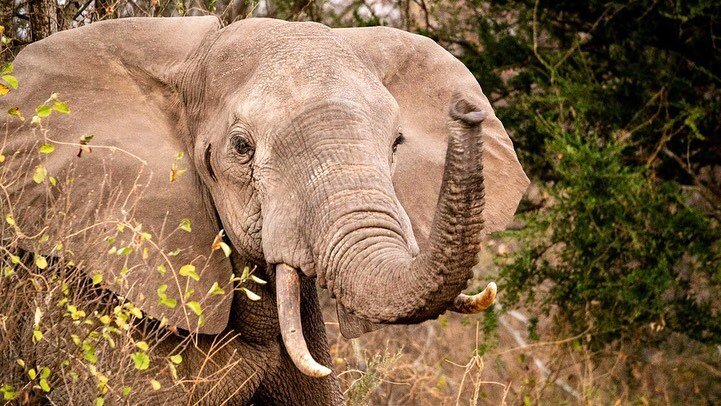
(323, 153)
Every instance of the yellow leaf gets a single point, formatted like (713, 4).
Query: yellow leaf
(216, 289)
(252, 296)
(189, 271)
(40, 261)
(47, 148)
(185, 225)
(195, 307)
(226, 249)
(15, 111)
(4, 89)
(97, 278)
(155, 384)
(38, 316)
(40, 174)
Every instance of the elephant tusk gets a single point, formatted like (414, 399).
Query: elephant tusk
(477, 303)
(287, 285)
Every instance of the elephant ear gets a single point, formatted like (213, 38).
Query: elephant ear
(422, 77)
(128, 207)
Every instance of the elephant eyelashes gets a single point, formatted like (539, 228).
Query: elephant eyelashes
(243, 147)
(207, 163)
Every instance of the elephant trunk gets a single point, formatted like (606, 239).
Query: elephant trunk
(388, 285)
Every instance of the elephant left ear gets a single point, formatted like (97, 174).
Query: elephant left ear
(115, 190)
(422, 77)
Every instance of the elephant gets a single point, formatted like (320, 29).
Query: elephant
(365, 161)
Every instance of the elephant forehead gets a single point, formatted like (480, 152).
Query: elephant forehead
(284, 56)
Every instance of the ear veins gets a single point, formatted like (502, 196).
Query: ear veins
(207, 162)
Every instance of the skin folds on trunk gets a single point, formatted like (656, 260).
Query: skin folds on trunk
(385, 284)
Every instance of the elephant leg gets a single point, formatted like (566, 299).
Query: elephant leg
(286, 385)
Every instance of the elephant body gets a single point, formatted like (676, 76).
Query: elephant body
(318, 156)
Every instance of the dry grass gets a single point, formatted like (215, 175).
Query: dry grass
(487, 360)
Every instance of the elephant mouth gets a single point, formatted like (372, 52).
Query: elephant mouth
(288, 300)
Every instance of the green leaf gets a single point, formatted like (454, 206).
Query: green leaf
(32, 374)
(189, 271)
(141, 360)
(125, 250)
(176, 359)
(40, 174)
(216, 289)
(43, 111)
(7, 68)
(10, 80)
(126, 391)
(9, 392)
(61, 107)
(47, 148)
(168, 302)
(185, 225)
(44, 385)
(99, 401)
(89, 353)
(195, 307)
(45, 373)
(142, 345)
(162, 269)
(40, 261)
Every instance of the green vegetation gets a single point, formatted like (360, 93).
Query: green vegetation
(615, 107)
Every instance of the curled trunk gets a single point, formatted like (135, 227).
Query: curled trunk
(388, 285)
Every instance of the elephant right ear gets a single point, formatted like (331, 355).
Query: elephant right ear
(128, 208)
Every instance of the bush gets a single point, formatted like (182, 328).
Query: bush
(619, 256)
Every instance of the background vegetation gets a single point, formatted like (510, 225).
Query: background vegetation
(612, 275)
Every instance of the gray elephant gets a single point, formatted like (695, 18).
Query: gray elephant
(328, 157)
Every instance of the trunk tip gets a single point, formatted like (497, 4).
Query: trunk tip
(465, 111)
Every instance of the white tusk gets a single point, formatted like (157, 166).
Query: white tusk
(287, 286)
(477, 303)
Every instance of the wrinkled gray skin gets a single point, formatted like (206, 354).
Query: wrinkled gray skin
(289, 131)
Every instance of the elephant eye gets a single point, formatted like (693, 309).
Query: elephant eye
(399, 140)
(243, 147)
